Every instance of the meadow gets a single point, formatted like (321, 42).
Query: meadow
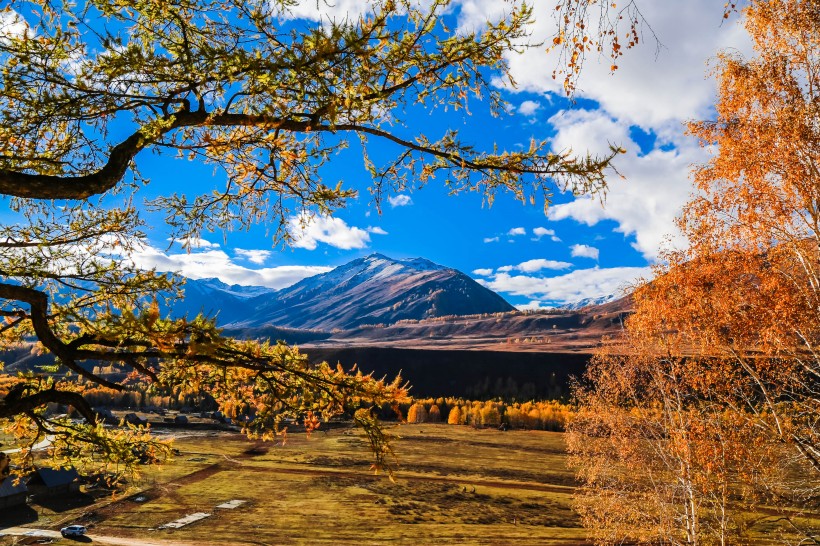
(454, 484)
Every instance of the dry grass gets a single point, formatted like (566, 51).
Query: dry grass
(455, 484)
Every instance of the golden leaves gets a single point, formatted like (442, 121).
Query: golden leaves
(709, 391)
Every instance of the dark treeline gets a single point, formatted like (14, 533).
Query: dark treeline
(474, 375)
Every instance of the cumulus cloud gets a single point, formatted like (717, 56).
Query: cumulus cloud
(534, 305)
(529, 108)
(531, 266)
(400, 200)
(217, 263)
(652, 87)
(337, 10)
(647, 200)
(12, 25)
(308, 232)
(517, 231)
(540, 232)
(655, 89)
(584, 251)
(570, 288)
(253, 256)
(194, 242)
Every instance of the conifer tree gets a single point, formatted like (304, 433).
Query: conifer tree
(455, 416)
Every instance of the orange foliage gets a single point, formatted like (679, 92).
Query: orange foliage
(716, 389)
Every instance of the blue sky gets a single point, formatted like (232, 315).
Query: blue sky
(580, 248)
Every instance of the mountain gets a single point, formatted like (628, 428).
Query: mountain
(589, 302)
(214, 297)
(373, 290)
(548, 330)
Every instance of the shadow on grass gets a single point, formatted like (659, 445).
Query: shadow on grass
(18, 515)
(61, 503)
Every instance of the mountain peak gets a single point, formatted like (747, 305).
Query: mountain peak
(375, 289)
(421, 264)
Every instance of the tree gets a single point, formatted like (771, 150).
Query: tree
(721, 355)
(417, 413)
(434, 414)
(85, 89)
(490, 415)
(749, 280)
(455, 416)
(659, 462)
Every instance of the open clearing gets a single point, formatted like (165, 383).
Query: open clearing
(455, 484)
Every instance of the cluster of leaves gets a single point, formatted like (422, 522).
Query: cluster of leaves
(594, 26)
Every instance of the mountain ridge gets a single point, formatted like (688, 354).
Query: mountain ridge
(373, 290)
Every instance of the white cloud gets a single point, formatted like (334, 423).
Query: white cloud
(540, 232)
(474, 14)
(307, 232)
(584, 251)
(323, 10)
(652, 87)
(216, 263)
(12, 25)
(490, 239)
(400, 200)
(649, 197)
(517, 231)
(529, 107)
(531, 266)
(534, 305)
(569, 288)
(376, 230)
(253, 256)
(194, 243)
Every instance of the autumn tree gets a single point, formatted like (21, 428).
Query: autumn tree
(661, 463)
(455, 416)
(434, 414)
(719, 379)
(417, 413)
(87, 89)
(748, 286)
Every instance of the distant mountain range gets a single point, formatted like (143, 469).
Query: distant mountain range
(371, 290)
(589, 302)
(380, 304)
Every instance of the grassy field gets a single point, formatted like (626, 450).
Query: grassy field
(455, 484)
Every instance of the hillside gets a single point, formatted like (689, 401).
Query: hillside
(372, 290)
(541, 331)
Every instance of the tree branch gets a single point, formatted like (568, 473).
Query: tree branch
(13, 404)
